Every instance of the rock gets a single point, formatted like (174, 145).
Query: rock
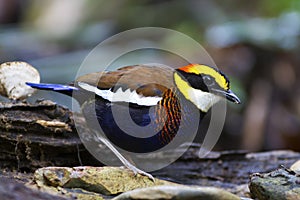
(296, 167)
(12, 190)
(178, 192)
(281, 184)
(98, 180)
(13, 78)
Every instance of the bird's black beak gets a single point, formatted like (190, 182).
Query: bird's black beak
(228, 94)
(232, 97)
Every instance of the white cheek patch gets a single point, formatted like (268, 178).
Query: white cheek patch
(203, 100)
(121, 96)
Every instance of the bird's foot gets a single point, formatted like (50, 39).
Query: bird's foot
(136, 171)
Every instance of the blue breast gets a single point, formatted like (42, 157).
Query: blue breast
(128, 126)
(126, 135)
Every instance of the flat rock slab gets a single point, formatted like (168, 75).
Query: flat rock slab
(92, 180)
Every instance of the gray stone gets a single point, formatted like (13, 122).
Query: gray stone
(281, 184)
(178, 192)
(12, 190)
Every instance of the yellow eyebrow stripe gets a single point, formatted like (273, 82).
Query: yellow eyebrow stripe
(203, 69)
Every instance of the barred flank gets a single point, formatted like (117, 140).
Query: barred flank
(168, 113)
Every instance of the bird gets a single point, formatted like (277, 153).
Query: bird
(158, 97)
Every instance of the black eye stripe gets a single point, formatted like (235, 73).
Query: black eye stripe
(194, 80)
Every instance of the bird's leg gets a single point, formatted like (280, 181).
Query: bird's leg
(125, 162)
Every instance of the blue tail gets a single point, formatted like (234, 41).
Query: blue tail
(65, 89)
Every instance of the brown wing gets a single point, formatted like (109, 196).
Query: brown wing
(147, 80)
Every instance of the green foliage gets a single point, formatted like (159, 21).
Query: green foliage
(273, 8)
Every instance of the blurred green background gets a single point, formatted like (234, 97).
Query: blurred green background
(256, 43)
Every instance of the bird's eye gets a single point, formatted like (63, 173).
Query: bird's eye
(208, 81)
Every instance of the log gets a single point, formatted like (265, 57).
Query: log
(39, 135)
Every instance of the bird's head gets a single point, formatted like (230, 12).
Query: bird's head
(203, 85)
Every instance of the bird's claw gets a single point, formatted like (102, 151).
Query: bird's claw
(144, 174)
(137, 171)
